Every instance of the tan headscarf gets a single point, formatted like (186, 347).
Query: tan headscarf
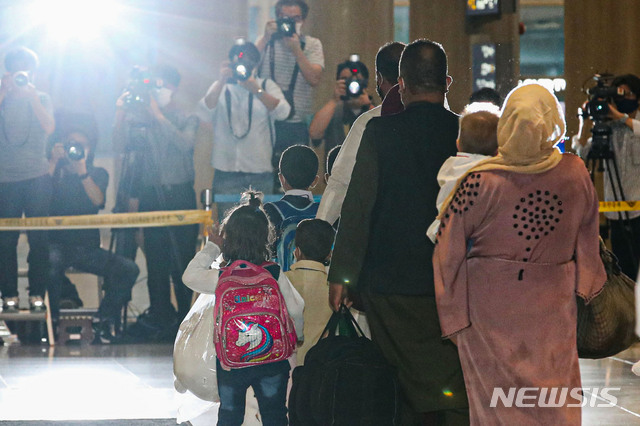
(530, 125)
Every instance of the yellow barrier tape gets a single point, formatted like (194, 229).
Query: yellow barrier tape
(619, 206)
(115, 220)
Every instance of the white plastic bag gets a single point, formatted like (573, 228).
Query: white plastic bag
(194, 355)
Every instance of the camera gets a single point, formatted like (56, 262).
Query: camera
(597, 109)
(21, 78)
(355, 85)
(74, 150)
(140, 85)
(286, 26)
(242, 64)
(600, 96)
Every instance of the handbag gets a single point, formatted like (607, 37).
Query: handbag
(606, 325)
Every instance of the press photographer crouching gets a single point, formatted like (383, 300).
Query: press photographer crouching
(243, 110)
(79, 188)
(158, 138)
(349, 100)
(616, 140)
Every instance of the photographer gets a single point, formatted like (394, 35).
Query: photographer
(295, 61)
(349, 100)
(150, 124)
(243, 109)
(79, 189)
(26, 119)
(625, 144)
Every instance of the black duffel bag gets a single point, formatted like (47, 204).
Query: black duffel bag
(345, 380)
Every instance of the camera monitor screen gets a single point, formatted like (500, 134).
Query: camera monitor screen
(483, 7)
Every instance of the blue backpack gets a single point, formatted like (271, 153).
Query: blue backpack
(291, 216)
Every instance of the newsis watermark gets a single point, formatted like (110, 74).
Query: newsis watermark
(551, 397)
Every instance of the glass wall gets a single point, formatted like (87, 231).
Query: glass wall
(542, 44)
(401, 21)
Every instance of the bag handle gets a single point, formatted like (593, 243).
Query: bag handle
(244, 265)
(350, 326)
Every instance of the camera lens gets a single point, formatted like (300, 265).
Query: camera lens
(75, 151)
(241, 72)
(21, 79)
(355, 88)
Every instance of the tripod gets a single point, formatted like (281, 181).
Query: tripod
(602, 157)
(140, 161)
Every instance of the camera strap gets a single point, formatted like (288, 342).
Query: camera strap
(288, 93)
(227, 96)
(264, 88)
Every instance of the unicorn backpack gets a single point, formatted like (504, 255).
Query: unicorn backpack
(252, 324)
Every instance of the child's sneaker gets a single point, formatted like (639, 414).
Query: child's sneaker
(36, 304)
(10, 304)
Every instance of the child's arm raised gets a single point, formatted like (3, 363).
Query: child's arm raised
(199, 276)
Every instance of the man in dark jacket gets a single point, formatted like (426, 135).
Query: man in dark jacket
(382, 248)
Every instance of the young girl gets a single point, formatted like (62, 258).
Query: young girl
(246, 234)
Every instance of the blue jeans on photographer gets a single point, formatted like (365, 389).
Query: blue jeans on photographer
(269, 382)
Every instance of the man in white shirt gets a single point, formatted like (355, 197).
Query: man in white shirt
(625, 145)
(295, 61)
(243, 110)
(387, 60)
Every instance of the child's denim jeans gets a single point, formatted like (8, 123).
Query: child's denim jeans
(269, 382)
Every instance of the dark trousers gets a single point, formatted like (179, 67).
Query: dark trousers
(270, 389)
(31, 197)
(625, 244)
(425, 363)
(119, 275)
(169, 250)
(287, 134)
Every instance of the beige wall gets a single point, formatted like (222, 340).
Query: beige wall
(600, 36)
(445, 22)
(347, 27)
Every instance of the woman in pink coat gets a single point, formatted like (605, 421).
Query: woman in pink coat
(518, 242)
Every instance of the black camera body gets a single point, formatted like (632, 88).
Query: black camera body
(140, 85)
(242, 61)
(286, 26)
(355, 85)
(74, 150)
(600, 97)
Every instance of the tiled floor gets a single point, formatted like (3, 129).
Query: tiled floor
(135, 381)
(86, 382)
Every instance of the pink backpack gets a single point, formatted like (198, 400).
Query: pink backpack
(252, 324)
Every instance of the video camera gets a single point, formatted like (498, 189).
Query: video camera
(141, 82)
(355, 85)
(597, 109)
(286, 26)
